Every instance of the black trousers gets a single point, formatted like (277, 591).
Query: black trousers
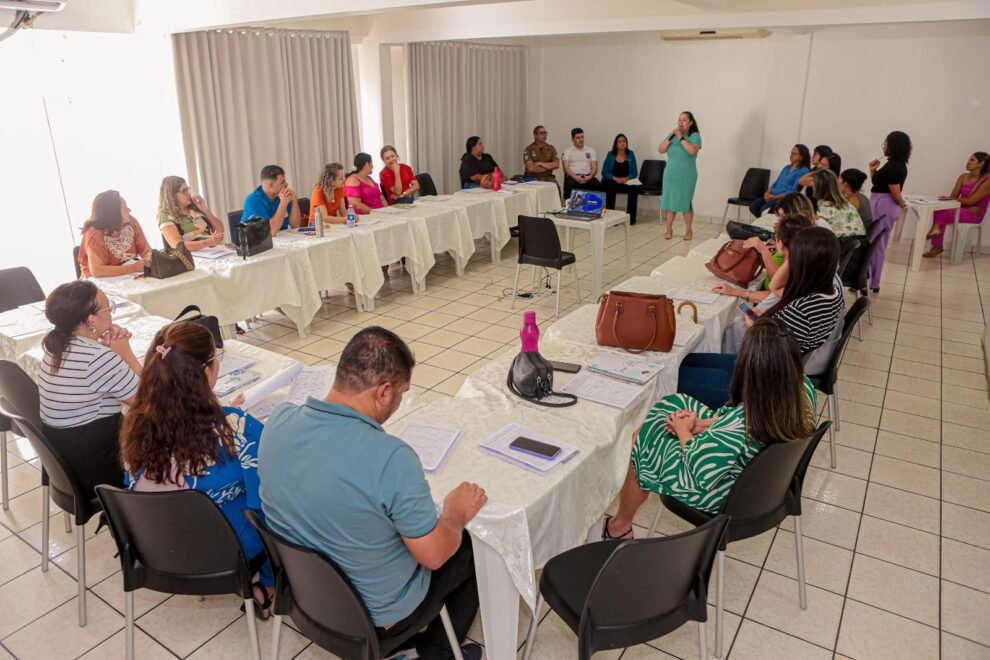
(453, 585)
(612, 189)
(570, 184)
(92, 451)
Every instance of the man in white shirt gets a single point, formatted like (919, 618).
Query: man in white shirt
(580, 165)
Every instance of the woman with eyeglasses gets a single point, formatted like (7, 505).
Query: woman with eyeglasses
(786, 182)
(88, 371)
(112, 240)
(183, 216)
(178, 436)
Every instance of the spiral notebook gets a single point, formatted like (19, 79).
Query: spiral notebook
(630, 369)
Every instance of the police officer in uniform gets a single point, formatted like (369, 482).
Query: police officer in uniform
(539, 158)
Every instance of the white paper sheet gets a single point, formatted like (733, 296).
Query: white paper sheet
(694, 295)
(436, 198)
(115, 278)
(391, 210)
(269, 386)
(311, 381)
(476, 191)
(215, 252)
(498, 444)
(631, 369)
(232, 362)
(431, 442)
(234, 381)
(606, 391)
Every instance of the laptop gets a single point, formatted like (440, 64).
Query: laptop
(584, 205)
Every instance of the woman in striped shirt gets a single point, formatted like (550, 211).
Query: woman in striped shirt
(88, 370)
(695, 454)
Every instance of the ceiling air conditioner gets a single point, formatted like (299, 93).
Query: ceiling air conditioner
(711, 35)
(25, 11)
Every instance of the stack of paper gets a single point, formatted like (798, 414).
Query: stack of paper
(624, 367)
(506, 192)
(311, 381)
(476, 191)
(390, 210)
(233, 362)
(365, 221)
(603, 390)
(695, 296)
(431, 442)
(234, 381)
(303, 382)
(436, 198)
(215, 252)
(498, 445)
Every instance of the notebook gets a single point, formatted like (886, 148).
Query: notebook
(592, 387)
(498, 443)
(623, 367)
(431, 442)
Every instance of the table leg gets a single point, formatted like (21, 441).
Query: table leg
(3, 470)
(568, 239)
(955, 237)
(920, 231)
(499, 603)
(628, 247)
(597, 259)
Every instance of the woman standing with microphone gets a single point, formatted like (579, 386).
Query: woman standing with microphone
(681, 174)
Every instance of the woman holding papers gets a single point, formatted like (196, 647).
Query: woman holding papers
(178, 436)
(184, 217)
(695, 454)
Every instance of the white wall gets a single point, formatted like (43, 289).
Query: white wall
(754, 99)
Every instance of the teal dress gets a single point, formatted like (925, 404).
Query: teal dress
(680, 177)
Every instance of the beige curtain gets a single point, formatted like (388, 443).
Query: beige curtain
(253, 97)
(458, 90)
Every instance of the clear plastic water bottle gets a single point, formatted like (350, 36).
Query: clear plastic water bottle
(351, 218)
(318, 222)
(529, 334)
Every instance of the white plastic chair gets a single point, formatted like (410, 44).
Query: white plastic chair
(962, 233)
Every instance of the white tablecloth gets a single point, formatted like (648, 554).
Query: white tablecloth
(547, 195)
(391, 239)
(334, 261)
(169, 296)
(485, 218)
(448, 227)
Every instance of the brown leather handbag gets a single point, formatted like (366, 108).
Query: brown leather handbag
(735, 263)
(170, 262)
(637, 322)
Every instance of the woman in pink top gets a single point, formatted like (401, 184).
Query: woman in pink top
(361, 190)
(972, 190)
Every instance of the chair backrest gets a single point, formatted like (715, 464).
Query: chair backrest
(864, 269)
(760, 497)
(303, 207)
(20, 392)
(754, 183)
(851, 249)
(649, 587)
(538, 238)
(75, 262)
(426, 185)
(175, 542)
(826, 381)
(18, 286)
(233, 220)
(651, 176)
(325, 605)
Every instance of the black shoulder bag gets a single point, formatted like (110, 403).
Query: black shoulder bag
(253, 237)
(531, 378)
(740, 231)
(211, 323)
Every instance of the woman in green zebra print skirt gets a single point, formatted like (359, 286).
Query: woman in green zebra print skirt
(695, 454)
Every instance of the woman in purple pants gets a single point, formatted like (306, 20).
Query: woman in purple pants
(886, 198)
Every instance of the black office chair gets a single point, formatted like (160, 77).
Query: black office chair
(651, 178)
(539, 246)
(767, 491)
(851, 246)
(827, 381)
(58, 483)
(22, 394)
(233, 220)
(426, 185)
(616, 594)
(314, 592)
(862, 285)
(754, 184)
(176, 542)
(18, 286)
(75, 262)
(303, 208)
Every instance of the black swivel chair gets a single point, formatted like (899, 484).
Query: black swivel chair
(21, 394)
(18, 286)
(312, 590)
(827, 381)
(303, 208)
(863, 281)
(58, 483)
(754, 184)
(651, 178)
(767, 491)
(426, 185)
(176, 542)
(616, 594)
(539, 246)
(75, 262)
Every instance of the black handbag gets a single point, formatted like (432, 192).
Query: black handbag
(253, 237)
(740, 231)
(170, 262)
(531, 378)
(211, 323)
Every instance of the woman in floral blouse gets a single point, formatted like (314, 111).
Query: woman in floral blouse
(695, 454)
(208, 447)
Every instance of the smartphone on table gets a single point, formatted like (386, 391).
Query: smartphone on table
(535, 448)
(566, 367)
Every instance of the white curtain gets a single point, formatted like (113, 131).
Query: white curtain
(458, 90)
(253, 97)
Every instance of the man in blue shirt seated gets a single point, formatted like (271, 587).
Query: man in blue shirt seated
(273, 200)
(333, 480)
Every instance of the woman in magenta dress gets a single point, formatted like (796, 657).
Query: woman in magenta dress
(972, 190)
(361, 190)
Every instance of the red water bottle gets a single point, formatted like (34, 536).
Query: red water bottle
(529, 334)
(497, 179)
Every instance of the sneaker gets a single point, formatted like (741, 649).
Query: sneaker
(471, 651)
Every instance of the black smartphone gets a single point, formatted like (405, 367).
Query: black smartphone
(566, 367)
(748, 311)
(535, 448)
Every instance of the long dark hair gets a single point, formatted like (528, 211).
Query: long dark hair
(694, 124)
(899, 146)
(615, 144)
(470, 143)
(984, 160)
(822, 150)
(175, 418)
(105, 215)
(769, 384)
(360, 161)
(66, 307)
(834, 162)
(805, 155)
(813, 258)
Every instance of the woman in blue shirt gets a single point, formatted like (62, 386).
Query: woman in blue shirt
(177, 436)
(786, 182)
(619, 168)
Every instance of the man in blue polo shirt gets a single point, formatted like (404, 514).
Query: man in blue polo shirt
(273, 200)
(334, 481)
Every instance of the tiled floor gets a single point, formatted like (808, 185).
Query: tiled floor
(897, 538)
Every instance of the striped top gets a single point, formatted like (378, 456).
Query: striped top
(811, 319)
(702, 474)
(89, 384)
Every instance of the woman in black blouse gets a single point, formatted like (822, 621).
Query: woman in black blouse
(886, 196)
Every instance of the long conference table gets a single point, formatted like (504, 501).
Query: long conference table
(292, 274)
(530, 517)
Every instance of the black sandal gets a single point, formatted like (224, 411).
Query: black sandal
(625, 536)
(263, 609)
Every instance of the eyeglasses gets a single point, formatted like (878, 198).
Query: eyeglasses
(217, 355)
(112, 307)
(184, 190)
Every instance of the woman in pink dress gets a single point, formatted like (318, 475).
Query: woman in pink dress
(972, 190)
(361, 190)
